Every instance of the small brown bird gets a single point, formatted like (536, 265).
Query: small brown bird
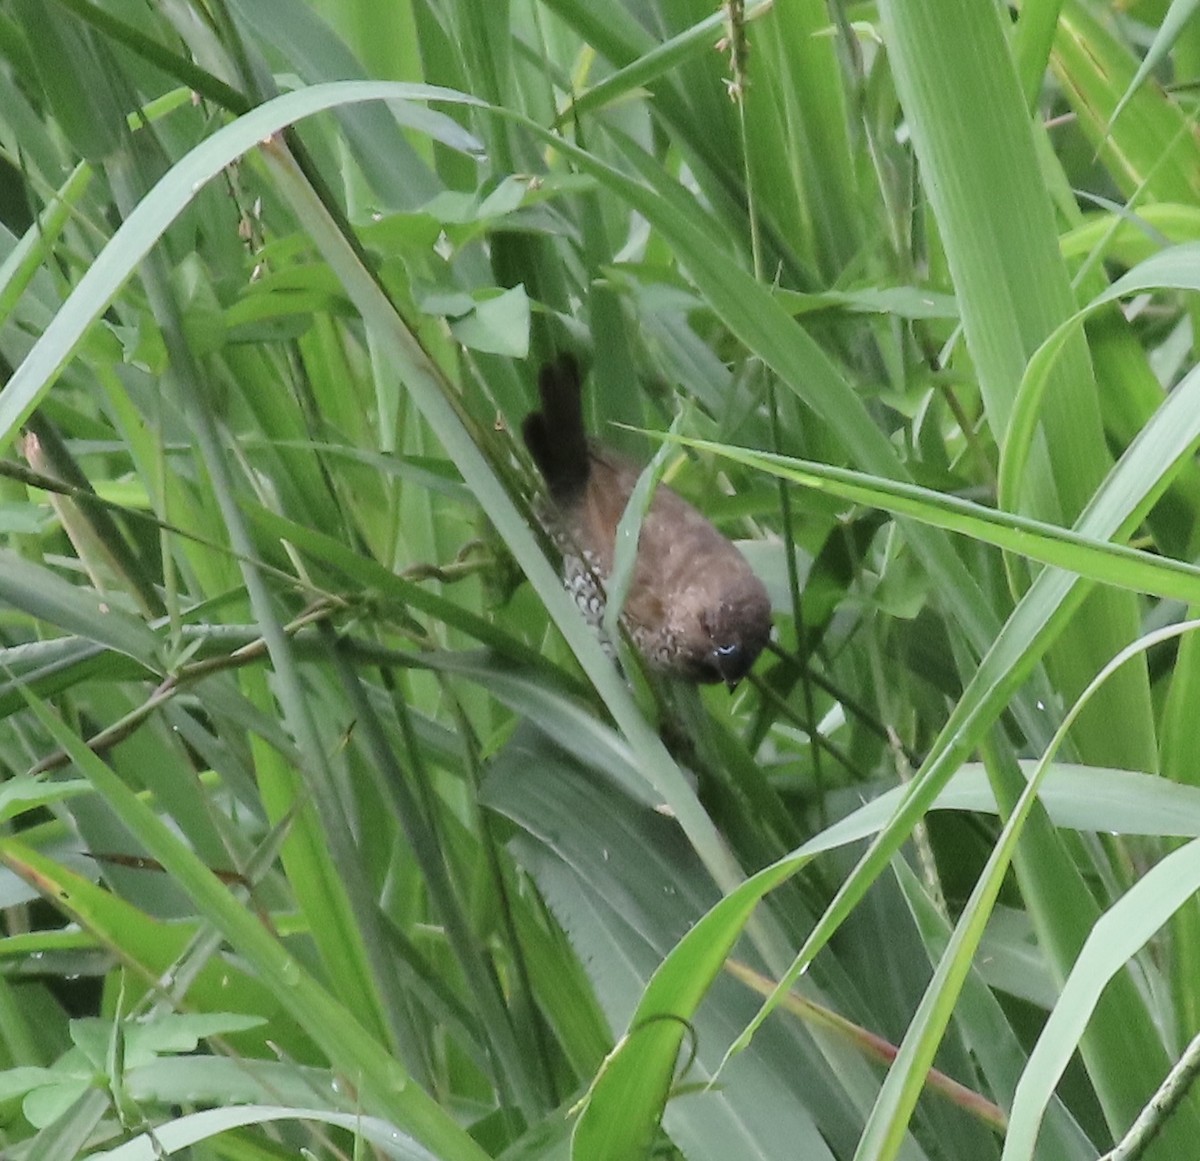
(694, 607)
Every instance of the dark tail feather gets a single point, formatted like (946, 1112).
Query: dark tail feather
(555, 435)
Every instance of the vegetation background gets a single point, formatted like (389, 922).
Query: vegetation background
(329, 829)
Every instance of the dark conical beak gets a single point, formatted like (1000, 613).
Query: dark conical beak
(730, 663)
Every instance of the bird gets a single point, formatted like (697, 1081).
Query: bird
(694, 608)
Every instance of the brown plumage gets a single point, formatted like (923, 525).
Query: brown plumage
(694, 607)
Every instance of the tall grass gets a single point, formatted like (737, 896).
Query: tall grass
(329, 828)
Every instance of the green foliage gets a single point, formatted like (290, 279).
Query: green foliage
(328, 828)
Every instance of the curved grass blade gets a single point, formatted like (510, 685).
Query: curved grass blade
(142, 229)
(1176, 268)
(1105, 562)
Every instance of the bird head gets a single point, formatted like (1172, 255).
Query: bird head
(732, 634)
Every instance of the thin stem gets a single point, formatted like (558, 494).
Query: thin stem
(1160, 1107)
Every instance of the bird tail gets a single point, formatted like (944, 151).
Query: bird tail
(555, 435)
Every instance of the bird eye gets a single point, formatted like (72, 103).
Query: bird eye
(726, 651)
